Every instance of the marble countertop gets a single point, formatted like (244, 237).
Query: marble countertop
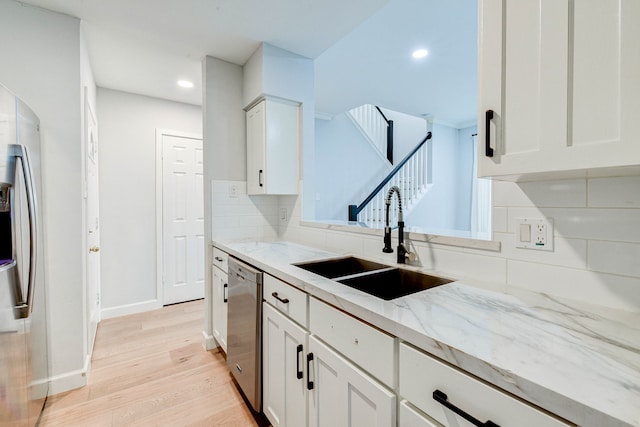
(579, 362)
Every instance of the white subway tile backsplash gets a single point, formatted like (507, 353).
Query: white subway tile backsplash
(597, 237)
(615, 258)
(570, 193)
(623, 192)
(499, 222)
(313, 237)
(566, 252)
(243, 216)
(343, 243)
(463, 264)
(372, 248)
(565, 193)
(514, 213)
(582, 285)
(223, 187)
(506, 194)
(622, 225)
(265, 200)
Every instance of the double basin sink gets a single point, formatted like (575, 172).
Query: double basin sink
(375, 279)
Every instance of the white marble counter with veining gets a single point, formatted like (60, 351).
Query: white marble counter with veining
(582, 364)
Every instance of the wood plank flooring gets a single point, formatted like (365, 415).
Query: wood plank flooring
(150, 369)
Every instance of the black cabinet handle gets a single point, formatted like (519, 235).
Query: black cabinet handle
(488, 151)
(218, 259)
(260, 177)
(282, 300)
(225, 292)
(299, 373)
(441, 398)
(309, 382)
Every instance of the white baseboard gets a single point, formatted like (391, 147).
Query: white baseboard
(67, 381)
(123, 310)
(208, 342)
(87, 365)
(70, 380)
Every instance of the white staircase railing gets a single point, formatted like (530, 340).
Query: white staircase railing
(372, 123)
(411, 176)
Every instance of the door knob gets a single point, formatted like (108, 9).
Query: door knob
(94, 249)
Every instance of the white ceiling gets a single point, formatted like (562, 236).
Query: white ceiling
(373, 64)
(145, 46)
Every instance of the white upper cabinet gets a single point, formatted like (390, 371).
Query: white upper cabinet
(272, 147)
(559, 86)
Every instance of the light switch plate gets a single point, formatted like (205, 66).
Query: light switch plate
(534, 233)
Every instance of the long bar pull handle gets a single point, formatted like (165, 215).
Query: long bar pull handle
(218, 259)
(309, 382)
(488, 116)
(260, 178)
(282, 300)
(441, 398)
(225, 292)
(21, 152)
(299, 373)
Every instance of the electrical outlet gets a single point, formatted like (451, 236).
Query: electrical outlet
(541, 235)
(233, 191)
(284, 215)
(534, 233)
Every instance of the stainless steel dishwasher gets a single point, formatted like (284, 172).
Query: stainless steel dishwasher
(244, 329)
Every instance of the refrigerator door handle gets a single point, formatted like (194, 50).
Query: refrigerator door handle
(21, 152)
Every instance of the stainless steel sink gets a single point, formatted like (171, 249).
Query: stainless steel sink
(373, 278)
(340, 267)
(393, 283)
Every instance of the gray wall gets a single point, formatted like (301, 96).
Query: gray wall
(40, 63)
(127, 126)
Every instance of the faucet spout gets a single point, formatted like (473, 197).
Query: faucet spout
(403, 253)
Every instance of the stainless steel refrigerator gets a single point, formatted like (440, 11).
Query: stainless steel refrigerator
(23, 333)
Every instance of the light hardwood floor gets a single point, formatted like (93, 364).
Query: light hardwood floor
(150, 369)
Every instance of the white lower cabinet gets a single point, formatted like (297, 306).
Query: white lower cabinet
(410, 417)
(445, 393)
(340, 394)
(219, 306)
(284, 400)
(344, 372)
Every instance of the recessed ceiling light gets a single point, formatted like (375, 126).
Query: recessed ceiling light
(419, 53)
(185, 83)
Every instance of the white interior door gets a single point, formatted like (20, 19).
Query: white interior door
(93, 228)
(182, 218)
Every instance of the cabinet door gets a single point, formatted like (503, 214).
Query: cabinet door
(284, 382)
(343, 395)
(281, 156)
(411, 417)
(219, 302)
(523, 83)
(256, 144)
(272, 147)
(604, 83)
(560, 79)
